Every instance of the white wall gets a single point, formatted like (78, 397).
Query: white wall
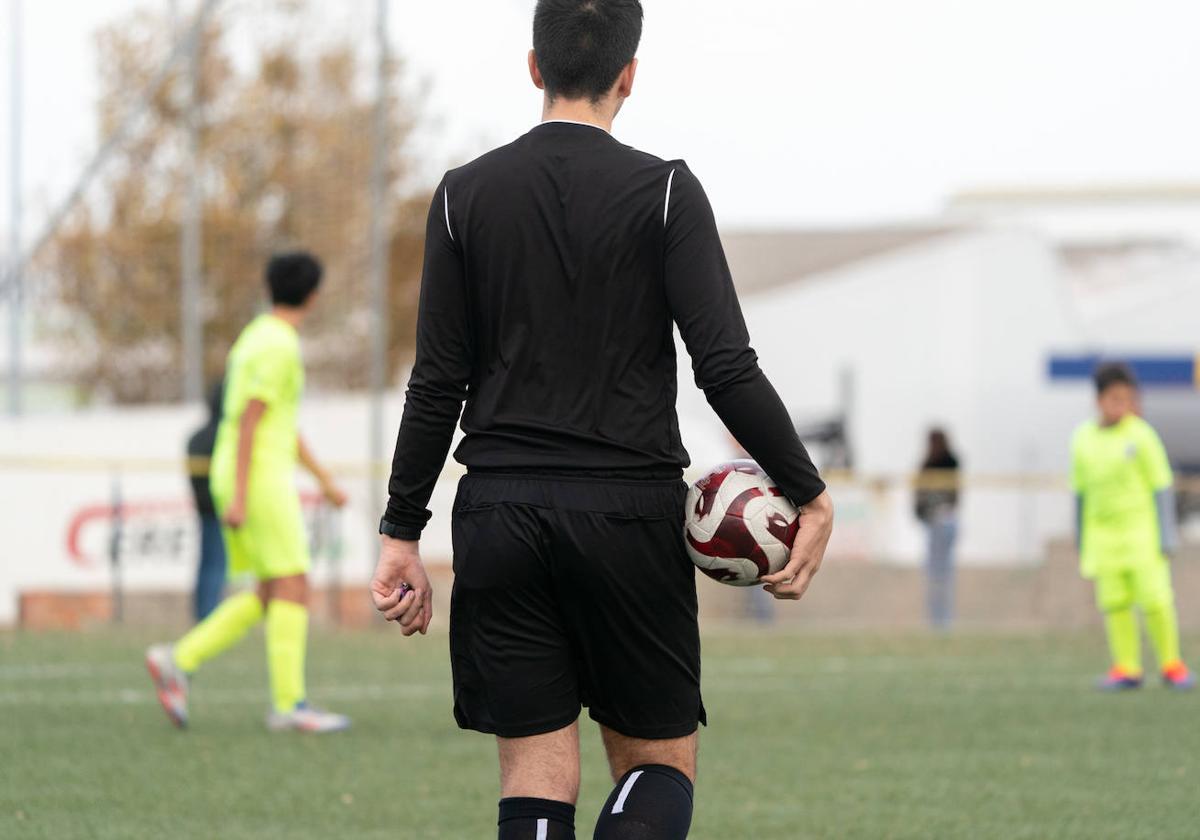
(58, 470)
(954, 332)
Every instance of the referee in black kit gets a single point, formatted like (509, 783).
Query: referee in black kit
(554, 269)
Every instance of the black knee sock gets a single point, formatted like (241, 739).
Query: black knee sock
(651, 802)
(524, 818)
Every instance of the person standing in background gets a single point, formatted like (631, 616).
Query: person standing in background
(254, 460)
(210, 573)
(937, 508)
(1126, 530)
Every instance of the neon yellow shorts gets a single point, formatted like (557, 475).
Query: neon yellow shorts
(272, 542)
(1147, 585)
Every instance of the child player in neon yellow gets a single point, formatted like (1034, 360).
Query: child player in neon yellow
(1126, 530)
(252, 483)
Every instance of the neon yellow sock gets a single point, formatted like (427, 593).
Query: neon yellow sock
(1124, 643)
(224, 627)
(287, 638)
(1162, 626)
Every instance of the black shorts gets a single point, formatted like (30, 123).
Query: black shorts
(573, 592)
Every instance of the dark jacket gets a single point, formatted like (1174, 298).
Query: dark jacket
(929, 500)
(200, 445)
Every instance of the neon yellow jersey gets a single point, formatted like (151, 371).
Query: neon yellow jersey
(264, 364)
(1117, 470)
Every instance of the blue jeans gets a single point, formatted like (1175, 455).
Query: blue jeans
(210, 577)
(943, 529)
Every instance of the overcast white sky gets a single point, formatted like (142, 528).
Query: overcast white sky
(791, 111)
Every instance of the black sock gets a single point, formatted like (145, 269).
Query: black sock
(525, 818)
(651, 802)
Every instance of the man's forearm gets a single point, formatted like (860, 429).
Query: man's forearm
(752, 411)
(422, 444)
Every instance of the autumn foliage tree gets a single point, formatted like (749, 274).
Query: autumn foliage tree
(285, 161)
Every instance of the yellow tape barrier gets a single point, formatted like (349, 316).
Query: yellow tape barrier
(933, 480)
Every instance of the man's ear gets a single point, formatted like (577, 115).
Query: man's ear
(534, 72)
(625, 80)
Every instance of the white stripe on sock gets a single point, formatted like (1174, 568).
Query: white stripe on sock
(620, 805)
(543, 827)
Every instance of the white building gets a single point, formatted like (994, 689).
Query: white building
(956, 324)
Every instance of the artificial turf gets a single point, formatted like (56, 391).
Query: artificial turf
(811, 736)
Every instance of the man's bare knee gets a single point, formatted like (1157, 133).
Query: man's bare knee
(625, 753)
(541, 766)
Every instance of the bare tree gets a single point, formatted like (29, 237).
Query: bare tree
(285, 158)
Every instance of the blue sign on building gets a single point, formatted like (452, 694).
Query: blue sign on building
(1166, 371)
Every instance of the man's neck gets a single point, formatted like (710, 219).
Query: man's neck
(289, 314)
(577, 110)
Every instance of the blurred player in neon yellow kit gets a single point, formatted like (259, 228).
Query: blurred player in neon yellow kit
(252, 483)
(1126, 530)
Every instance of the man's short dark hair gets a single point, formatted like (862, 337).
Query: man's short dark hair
(1113, 373)
(292, 277)
(582, 45)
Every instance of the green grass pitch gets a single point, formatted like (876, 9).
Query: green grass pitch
(811, 737)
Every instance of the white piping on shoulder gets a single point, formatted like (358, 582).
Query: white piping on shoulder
(446, 193)
(667, 203)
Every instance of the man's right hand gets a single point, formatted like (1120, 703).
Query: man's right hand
(400, 588)
(235, 514)
(816, 526)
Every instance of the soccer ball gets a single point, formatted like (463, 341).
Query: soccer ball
(739, 526)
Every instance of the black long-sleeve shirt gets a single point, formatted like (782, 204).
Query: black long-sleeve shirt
(554, 268)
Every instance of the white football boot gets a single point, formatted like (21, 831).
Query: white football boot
(170, 683)
(306, 718)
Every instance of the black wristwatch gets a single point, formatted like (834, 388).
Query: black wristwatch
(398, 532)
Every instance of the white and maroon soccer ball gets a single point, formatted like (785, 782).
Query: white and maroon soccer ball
(739, 526)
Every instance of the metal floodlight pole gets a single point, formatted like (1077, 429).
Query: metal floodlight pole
(379, 262)
(190, 241)
(15, 258)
